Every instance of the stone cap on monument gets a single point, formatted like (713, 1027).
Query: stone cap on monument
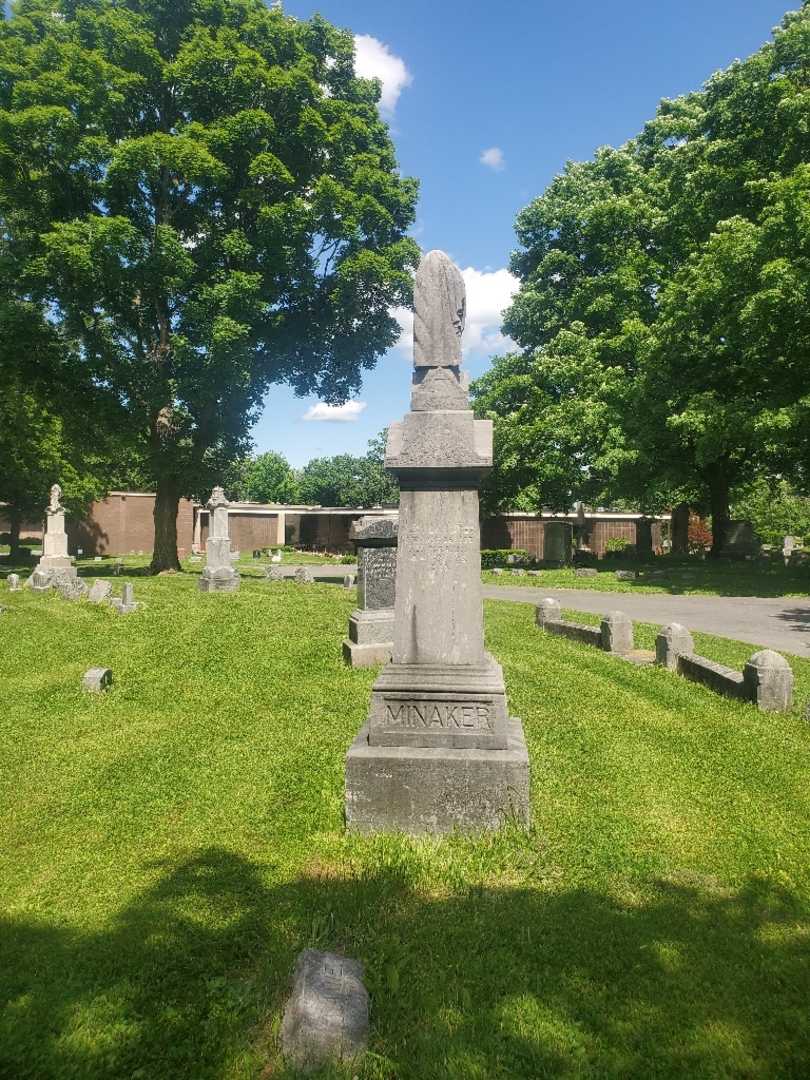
(217, 499)
(439, 312)
(374, 530)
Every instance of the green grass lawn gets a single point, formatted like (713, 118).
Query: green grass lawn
(168, 848)
(699, 577)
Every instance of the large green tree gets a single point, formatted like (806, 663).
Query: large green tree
(662, 316)
(346, 480)
(201, 196)
(269, 477)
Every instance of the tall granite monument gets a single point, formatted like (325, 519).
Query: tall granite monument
(371, 624)
(218, 573)
(439, 751)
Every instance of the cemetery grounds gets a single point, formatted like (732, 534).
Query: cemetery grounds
(169, 847)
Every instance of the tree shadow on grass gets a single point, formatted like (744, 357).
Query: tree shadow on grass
(695, 981)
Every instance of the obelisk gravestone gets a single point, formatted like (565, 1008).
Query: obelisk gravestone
(439, 751)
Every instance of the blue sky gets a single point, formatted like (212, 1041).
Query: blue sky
(535, 83)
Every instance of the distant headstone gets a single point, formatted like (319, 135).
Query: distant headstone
(70, 588)
(371, 624)
(13, 582)
(498, 570)
(125, 604)
(274, 573)
(257, 553)
(97, 558)
(40, 580)
(304, 576)
(557, 542)
(326, 1019)
(218, 574)
(548, 610)
(511, 560)
(55, 542)
(100, 591)
(439, 752)
(348, 581)
(535, 573)
(586, 571)
(626, 575)
(117, 568)
(518, 572)
(276, 557)
(741, 540)
(96, 679)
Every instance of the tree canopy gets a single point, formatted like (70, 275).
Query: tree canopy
(662, 317)
(201, 198)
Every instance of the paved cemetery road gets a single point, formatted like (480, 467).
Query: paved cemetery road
(782, 623)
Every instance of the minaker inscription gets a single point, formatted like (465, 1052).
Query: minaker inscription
(446, 715)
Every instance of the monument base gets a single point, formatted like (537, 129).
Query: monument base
(368, 655)
(223, 579)
(417, 790)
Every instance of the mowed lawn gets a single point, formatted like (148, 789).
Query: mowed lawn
(168, 848)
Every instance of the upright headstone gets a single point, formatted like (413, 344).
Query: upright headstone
(557, 542)
(13, 582)
(439, 751)
(100, 591)
(371, 624)
(218, 574)
(741, 540)
(55, 559)
(125, 603)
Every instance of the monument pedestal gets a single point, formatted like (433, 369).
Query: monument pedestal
(418, 789)
(218, 574)
(371, 637)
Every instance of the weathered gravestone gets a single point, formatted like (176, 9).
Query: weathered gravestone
(326, 1018)
(304, 575)
(13, 582)
(70, 588)
(55, 558)
(96, 679)
(274, 573)
(557, 542)
(218, 574)
(371, 624)
(439, 751)
(40, 580)
(100, 591)
(741, 540)
(125, 603)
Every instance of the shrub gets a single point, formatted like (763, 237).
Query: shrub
(617, 545)
(498, 557)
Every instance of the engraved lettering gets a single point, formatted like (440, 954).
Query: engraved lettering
(392, 717)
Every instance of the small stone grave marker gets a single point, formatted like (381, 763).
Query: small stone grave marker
(96, 679)
(100, 591)
(585, 571)
(326, 1018)
(13, 582)
(125, 603)
(304, 576)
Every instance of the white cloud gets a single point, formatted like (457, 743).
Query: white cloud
(342, 414)
(489, 293)
(493, 158)
(374, 60)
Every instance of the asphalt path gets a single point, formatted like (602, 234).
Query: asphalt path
(781, 623)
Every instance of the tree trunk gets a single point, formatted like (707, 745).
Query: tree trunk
(679, 529)
(15, 525)
(719, 496)
(167, 498)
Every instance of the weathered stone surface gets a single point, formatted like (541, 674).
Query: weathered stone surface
(326, 1018)
(518, 572)
(425, 442)
(617, 633)
(349, 581)
(374, 529)
(626, 575)
(368, 655)
(768, 680)
(100, 591)
(585, 571)
(222, 579)
(672, 642)
(439, 312)
(274, 573)
(439, 388)
(304, 575)
(40, 580)
(13, 581)
(721, 679)
(548, 610)
(376, 577)
(497, 570)
(372, 627)
(125, 604)
(96, 679)
(70, 588)
(436, 790)
(558, 542)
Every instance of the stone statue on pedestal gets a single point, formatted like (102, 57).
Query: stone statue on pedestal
(439, 751)
(55, 563)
